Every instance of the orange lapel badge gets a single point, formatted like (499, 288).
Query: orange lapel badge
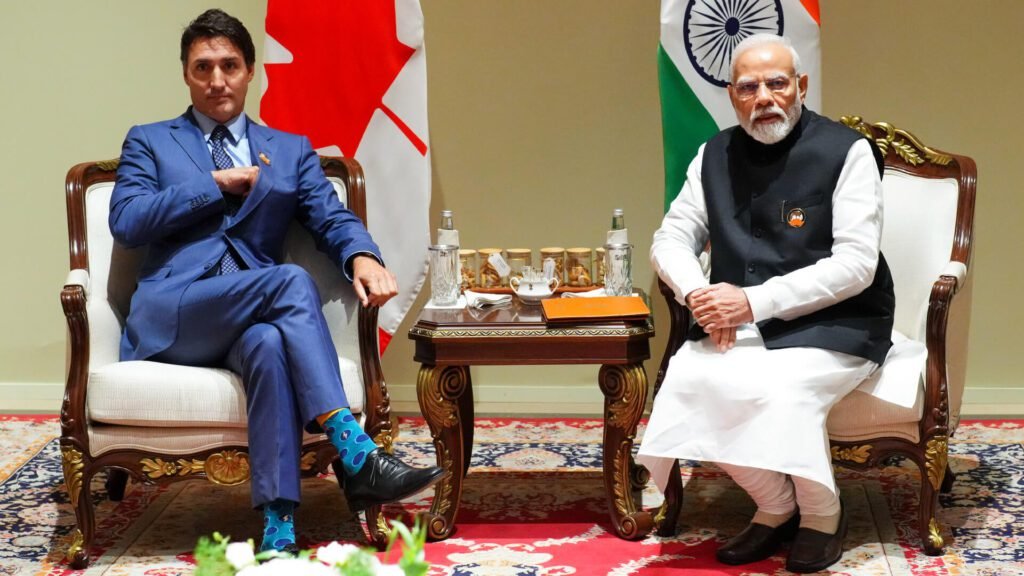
(796, 218)
(265, 159)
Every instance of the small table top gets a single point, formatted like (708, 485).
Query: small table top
(518, 334)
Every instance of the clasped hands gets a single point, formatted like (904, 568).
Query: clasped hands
(719, 309)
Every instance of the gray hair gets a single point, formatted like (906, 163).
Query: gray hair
(759, 40)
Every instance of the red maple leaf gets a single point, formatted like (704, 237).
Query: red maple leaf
(346, 55)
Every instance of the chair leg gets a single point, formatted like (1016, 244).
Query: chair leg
(668, 521)
(947, 480)
(77, 475)
(117, 481)
(929, 528)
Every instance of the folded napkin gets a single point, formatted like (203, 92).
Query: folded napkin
(481, 300)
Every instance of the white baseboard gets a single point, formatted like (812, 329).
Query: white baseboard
(524, 400)
(34, 397)
(980, 402)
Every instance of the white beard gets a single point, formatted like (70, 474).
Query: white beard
(773, 132)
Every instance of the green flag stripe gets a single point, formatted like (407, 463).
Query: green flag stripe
(685, 124)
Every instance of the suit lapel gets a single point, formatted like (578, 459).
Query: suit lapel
(263, 149)
(187, 134)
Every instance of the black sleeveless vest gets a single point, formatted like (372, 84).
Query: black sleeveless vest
(770, 213)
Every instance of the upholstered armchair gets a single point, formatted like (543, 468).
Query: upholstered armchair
(929, 225)
(161, 423)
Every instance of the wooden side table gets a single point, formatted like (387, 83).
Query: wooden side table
(449, 341)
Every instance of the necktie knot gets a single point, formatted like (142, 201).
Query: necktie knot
(220, 132)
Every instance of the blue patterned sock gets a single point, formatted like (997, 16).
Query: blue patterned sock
(278, 525)
(348, 437)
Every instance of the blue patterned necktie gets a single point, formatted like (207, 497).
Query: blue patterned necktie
(222, 161)
(220, 155)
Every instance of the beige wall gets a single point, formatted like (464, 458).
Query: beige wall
(544, 116)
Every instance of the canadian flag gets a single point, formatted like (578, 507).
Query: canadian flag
(352, 76)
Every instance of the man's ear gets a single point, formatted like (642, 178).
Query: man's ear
(801, 85)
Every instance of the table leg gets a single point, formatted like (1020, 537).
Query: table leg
(466, 417)
(440, 390)
(625, 393)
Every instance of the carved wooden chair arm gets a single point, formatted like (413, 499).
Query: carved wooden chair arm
(378, 402)
(679, 323)
(936, 401)
(73, 300)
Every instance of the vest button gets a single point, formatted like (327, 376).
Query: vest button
(751, 268)
(758, 232)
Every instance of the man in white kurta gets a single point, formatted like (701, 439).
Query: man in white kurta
(752, 386)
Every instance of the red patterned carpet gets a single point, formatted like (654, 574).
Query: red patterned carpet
(533, 505)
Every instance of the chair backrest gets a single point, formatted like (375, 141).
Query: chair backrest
(929, 223)
(929, 215)
(113, 269)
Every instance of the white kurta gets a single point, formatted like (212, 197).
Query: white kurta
(751, 406)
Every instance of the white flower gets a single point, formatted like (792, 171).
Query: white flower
(389, 570)
(240, 555)
(334, 553)
(289, 567)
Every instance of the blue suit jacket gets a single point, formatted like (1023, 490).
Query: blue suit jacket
(165, 197)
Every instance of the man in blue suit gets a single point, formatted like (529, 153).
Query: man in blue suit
(212, 194)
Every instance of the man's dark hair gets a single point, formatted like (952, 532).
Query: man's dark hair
(215, 23)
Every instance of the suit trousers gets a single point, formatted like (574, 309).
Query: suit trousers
(267, 326)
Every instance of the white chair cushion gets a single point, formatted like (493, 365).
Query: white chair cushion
(861, 416)
(144, 393)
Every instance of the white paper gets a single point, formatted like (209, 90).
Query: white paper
(448, 237)
(618, 236)
(500, 266)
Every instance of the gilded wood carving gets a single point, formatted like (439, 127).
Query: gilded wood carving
(71, 460)
(903, 143)
(858, 454)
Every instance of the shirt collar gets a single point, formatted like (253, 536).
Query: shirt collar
(235, 126)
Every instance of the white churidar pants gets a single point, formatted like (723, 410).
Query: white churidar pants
(751, 407)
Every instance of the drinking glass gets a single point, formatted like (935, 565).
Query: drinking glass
(444, 274)
(617, 269)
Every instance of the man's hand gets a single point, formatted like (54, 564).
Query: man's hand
(374, 283)
(723, 339)
(236, 181)
(719, 306)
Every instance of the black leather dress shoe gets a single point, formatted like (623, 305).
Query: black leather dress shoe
(384, 478)
(757, 542)
(813, 550)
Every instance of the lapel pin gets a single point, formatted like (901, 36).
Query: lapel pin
(796, 218)
(265, 159)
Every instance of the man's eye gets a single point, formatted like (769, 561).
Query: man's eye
(777, 84)
(746, 87)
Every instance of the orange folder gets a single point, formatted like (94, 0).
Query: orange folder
(601, 308)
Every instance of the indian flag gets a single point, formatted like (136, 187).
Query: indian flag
(697, 39)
